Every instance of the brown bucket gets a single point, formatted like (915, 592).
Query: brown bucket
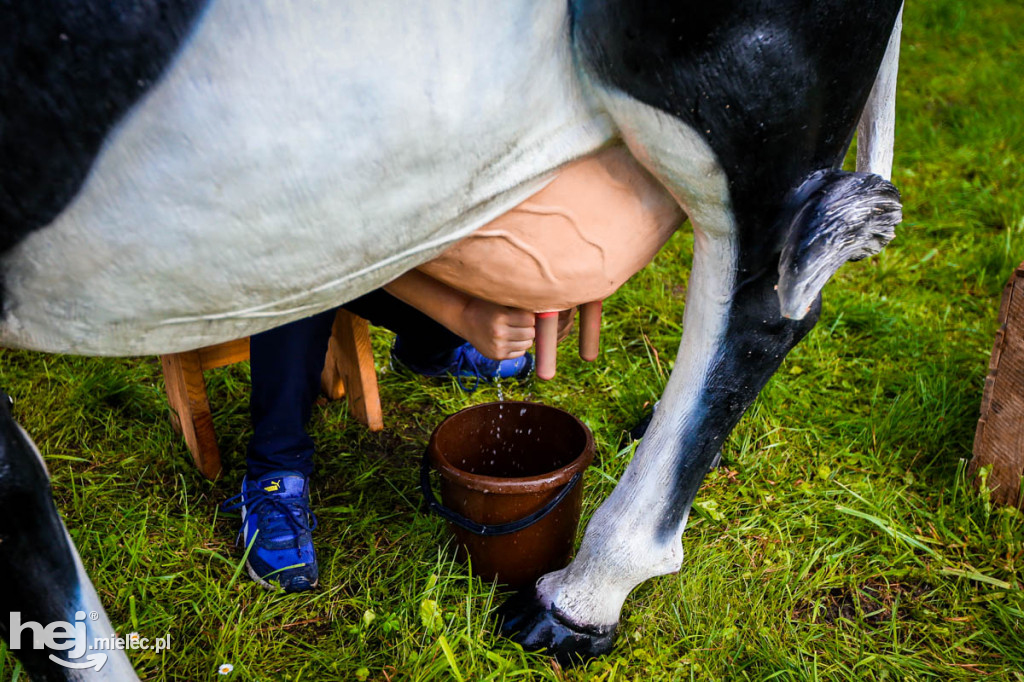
(511, 486)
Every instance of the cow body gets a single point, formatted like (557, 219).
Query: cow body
(288, 160)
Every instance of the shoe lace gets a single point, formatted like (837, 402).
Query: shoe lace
(256, 500)
(467, 361)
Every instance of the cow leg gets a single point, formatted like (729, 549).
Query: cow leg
(42, 576)
(750, 301)
(734, 339)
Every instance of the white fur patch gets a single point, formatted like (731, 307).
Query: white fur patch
(295, 156)
(117, 668)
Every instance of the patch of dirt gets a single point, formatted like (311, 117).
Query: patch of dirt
(872, 602)
(398, 450)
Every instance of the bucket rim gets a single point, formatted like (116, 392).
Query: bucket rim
(510, 486)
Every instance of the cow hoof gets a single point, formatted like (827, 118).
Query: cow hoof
(526, 620)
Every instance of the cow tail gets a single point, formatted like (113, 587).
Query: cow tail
(834, 217)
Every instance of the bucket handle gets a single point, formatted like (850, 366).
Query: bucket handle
(484, 529)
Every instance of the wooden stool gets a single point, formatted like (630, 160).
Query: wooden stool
(348, 370)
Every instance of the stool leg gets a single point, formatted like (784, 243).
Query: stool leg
(349, 369)
(190, 409)
(331, 380)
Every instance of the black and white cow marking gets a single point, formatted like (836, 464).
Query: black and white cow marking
(68, 72)
(243, 163)
(44, 579)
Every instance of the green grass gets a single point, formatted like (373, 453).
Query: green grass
(840, 541)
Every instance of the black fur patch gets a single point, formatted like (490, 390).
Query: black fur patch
(775, 87)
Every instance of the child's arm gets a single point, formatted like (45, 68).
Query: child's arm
(497, 331)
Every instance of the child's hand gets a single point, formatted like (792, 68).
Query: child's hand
(497, 331)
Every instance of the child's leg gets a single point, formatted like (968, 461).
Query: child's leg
(285, 367)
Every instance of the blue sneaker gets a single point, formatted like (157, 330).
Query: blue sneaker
(278, 524)
(467, 362)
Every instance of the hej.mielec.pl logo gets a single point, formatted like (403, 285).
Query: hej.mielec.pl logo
(74, 639)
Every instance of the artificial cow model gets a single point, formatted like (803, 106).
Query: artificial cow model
(181, 173)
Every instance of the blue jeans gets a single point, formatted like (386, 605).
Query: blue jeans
(285, 366)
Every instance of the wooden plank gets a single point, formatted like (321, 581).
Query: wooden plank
(190, 407)
(174, 386)
(227, 353)
(350, 359)
(999, 438)
(331, 380)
